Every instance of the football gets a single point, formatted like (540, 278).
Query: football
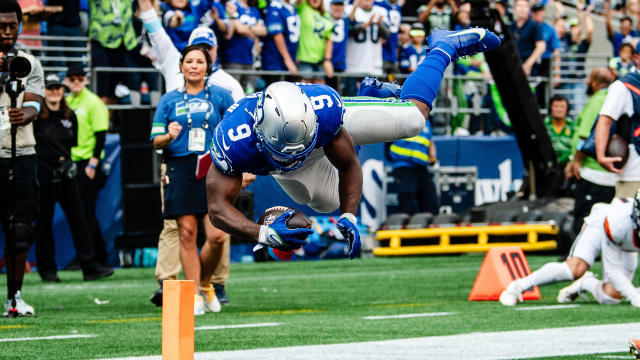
(297, 221)
(618, 147)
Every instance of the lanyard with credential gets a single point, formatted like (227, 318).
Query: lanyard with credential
(205, 125)
(197, 135)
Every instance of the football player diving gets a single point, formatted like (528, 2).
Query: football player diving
(305, 136)
(611, 228)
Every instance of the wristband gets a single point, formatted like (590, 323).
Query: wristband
(263, 235)
(349, 217)
(91, 166)
(34, 104)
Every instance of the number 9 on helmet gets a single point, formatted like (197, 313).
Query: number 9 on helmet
(286, 125)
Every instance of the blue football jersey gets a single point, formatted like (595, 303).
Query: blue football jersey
(172, 108)
(192, 16)
(339, 38)
(410, 57)
(280, 18)
(239, 48)
(234, 148)
(389, 48)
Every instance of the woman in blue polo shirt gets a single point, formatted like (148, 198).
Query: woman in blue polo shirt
(183, 126)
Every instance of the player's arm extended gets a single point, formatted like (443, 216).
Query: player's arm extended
(222, 192)
(342, 154)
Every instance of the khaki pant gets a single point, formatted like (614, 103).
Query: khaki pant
(168, 262)
(627, 188)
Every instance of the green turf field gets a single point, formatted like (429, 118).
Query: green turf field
(314, 303)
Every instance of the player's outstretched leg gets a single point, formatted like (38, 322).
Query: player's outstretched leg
(444, 47)
(548, 273)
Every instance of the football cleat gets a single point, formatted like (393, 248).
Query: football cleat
(569, 293)
(634, 347)
(211, 302)
(372, 87)
(466, 42)
(511, 295)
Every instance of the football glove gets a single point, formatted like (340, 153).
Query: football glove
(347, 226)
(279, 236)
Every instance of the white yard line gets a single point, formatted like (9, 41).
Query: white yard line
(547, 307)
(55, 337)
(237, 326)
(404, 316)
(481, 346)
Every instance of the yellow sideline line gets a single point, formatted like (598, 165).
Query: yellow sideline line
(118, 321)
(281, 312)
(392, 306)
(3, 327)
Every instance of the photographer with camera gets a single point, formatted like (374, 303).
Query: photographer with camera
(56, 132)
(18, 181)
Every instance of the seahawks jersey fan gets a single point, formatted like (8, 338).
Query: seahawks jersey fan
(168, 57)
(364, 46)
(611, 228)
(304, 135)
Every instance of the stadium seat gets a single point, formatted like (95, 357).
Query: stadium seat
(396, 221)
(529, 216)
(441, 219)
(420, 221)
(508, 215)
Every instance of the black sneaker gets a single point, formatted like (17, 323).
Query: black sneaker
(156, 297)
(221, 294)
(101, 272)
(50, 278)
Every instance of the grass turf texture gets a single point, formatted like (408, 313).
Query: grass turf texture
(316, 303)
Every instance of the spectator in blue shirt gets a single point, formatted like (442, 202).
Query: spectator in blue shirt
(390, 47)
(248, 26)
(618, 37)
(339, 38)
(552, 49)
(462, 19)
(216, 19)
(281, 44)
(180, 18)
(413, 52)
(528, 36)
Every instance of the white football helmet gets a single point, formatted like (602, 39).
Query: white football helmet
(286, 125)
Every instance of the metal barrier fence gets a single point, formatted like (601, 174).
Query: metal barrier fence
(459, 97)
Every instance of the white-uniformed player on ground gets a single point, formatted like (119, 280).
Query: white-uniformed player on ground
(611, 228)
